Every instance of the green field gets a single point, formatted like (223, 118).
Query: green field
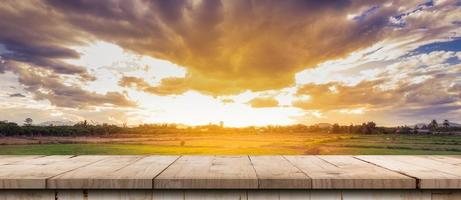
(225, 144)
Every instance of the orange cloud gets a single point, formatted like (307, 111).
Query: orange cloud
(263, 102)
(232, 46)
(168, 86)
(369, 94)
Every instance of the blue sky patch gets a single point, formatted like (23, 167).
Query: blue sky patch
(454, 45)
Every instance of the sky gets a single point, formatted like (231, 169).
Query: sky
(242, 62)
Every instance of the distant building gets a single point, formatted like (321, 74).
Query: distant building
(221, 124)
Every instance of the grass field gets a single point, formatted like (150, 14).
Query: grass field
(225, 144)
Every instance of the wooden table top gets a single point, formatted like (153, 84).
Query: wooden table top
(230, 172)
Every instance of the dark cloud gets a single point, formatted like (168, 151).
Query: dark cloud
(436, 111)
(43, 56)
(32, 34)
(17, 95)
(51, 87)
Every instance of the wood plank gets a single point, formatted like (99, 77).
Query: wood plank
(386, 195)
(215, 194)
(27, 195)
(12, 159)
(446, 195)
(294, 194)
(455, 160)
(32, 174)
(206, 172)
(168, 194)
(430, 175)
(45, 160)
(264, 195)
(119, 195)
(432, 164)
(346, 172)
(71, 194)
(117, 172)
(325, 195)
(276, 172)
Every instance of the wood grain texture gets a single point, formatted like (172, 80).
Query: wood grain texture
(208, 172)
(122, 172)
(32, 174)
(4, 159)
(455, 160)
(430, 173)
(346, 172)
(277, 172)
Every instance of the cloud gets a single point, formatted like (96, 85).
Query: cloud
(352, 55)
(408, 84)
(47, 86)
(17, 95)
(26, 38)
(263, 102)
(168, 86)
(247, 46)
(332, 96)
(102, 115)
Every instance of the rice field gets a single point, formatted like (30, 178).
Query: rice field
(236, 143)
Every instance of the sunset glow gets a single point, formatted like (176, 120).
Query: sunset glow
(245, 63)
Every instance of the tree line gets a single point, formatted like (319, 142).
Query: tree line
(79, 129)
(86, 129)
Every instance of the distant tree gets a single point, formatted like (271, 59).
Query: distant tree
(446, 124)
(9, 129)
(369, 128)
(371, 125)
(415, 130)
(335, 128)
(433, 125)
(28, 121)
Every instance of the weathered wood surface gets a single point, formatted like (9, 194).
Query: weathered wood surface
(277, 172)
(125, 172)
(197, 172)
(12, 159)
(33, 173)
(230, 172)
(430, 173)
(335, 172)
